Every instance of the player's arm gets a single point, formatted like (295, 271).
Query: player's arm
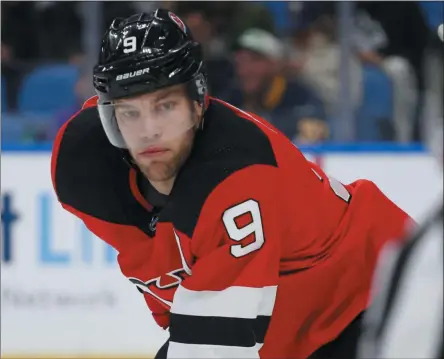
(68, 188)
(223, 309)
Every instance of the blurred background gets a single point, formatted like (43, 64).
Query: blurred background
(357, 85)
(320, 71)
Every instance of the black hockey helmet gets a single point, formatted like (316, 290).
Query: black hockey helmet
(144, 53)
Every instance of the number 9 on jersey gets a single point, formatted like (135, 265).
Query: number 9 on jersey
(237, 234)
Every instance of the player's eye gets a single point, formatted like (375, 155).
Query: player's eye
(128, 114)
(131, 114)
(166, 106)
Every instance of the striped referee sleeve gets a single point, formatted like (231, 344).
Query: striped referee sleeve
(406, 317)
(230, 323)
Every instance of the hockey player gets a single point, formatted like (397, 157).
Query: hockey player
(241, 247)
(406, 319)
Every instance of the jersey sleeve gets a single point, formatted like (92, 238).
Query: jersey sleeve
(223, 309)
(108, 231)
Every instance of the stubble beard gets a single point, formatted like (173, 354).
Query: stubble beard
(165, 170)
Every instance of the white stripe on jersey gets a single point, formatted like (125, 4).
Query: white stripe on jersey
(413, 326)
(268, 298)
(232, 302)
(179, 350)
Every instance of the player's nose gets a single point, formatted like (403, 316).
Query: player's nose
(151, 129)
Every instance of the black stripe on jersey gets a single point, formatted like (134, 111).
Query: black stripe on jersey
(261, 325)
(188, 329)
(406, 254)
(228, 143)
(345, 345)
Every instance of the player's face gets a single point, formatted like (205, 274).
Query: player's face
(158, 129)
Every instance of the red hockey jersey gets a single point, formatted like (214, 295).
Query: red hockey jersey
(258, 253)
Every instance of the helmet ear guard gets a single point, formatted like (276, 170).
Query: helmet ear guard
(197, 89)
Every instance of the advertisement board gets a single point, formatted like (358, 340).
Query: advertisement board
(62, 293)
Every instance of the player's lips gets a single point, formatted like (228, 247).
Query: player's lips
(153, 151)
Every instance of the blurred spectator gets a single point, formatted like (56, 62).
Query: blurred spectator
(19, 47)
(197, 17)
(229, 18)
(113, 9)
(262, 88)
(12, 75)
(405, 29)
(44, 31)
(433, 105)
(393, 36)
(232, 18)
(311, 130)
(217, 25)
(316, 55)
(280, 10)
(58, 26)
(19, 29)
(293, 94)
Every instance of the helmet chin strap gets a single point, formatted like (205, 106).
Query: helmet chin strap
(126, 156)
(201, 122)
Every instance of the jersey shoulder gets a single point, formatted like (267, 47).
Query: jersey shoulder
(89, 174)
(231, 141)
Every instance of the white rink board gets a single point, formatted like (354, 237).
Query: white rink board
(62, 292)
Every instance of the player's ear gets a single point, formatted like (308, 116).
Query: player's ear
(197, 112)
(197, 107)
